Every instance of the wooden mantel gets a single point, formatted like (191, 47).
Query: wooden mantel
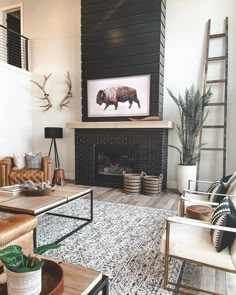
(123, 124)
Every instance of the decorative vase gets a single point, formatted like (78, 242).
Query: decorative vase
(184, 174)
(22, 283)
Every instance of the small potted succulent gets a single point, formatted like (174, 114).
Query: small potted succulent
(24, 272)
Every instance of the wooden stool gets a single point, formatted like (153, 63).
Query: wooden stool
(199, 212)
(58, 177)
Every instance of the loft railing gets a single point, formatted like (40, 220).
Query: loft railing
(13, 48)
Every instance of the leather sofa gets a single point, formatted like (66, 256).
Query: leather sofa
(10, 176)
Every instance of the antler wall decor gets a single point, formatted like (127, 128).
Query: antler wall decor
(66, 99)
(46, 95)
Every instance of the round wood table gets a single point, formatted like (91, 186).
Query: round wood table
(199, 212)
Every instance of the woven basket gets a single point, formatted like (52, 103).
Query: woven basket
(152, 185)
(132, 182)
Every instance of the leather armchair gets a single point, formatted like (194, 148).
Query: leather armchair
(18, 230)
(9, 176)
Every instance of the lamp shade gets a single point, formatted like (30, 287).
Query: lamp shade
(53, 132)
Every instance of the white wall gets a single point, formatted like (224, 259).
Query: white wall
(54, 31)
(15, 111)
(53, 28)
(184, 60)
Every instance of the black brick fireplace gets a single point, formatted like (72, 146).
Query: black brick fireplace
(102, 154)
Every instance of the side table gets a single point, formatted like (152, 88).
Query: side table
(58, 177)
(199, 212)
(79, 280)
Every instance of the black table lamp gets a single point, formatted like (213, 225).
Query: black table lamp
(53, 133)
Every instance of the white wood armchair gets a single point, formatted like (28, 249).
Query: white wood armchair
(193, 197)
(189, 240)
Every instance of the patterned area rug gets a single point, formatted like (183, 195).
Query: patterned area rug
(123, 242)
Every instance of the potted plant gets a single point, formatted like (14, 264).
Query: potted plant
(24, 272)
(191, 111)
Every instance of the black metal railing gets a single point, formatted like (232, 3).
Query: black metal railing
(13, 48)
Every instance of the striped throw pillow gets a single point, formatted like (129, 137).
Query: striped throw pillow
(217, 187)
(231, 185)
(224, 215)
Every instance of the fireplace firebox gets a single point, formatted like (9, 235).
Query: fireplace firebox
(112, 159)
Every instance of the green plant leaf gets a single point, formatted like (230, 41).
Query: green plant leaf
(192, 116)
(9, 250)
(42, 249)
(13, 260)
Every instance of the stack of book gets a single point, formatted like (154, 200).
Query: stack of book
(11, 190)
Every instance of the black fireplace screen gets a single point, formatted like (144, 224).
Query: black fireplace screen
(113, 159)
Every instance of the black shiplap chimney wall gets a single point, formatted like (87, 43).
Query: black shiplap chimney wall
(123, 38)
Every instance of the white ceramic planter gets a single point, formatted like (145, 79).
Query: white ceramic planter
(29, 283)
(184, 173)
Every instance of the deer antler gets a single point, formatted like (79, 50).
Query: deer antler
(66, 99)
(46, 95)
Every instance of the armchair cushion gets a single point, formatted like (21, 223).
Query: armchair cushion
(194, 243)
(22, 175)
(224, 215)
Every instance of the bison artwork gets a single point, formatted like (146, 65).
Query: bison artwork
(113, 95)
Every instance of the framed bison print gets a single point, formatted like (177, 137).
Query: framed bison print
(119, 97)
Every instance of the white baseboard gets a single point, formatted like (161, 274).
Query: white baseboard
(171, 184)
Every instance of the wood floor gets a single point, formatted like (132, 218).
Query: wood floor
(166, 200)
(218, 281)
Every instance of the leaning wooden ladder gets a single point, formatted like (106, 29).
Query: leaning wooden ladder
(224, 81)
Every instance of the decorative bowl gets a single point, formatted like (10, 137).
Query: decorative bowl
(32, 192)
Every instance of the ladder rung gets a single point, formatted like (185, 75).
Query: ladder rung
(213, 126)
(212, 149)
(218, 35)
(217, 58)
(215, 81)
(213, 104)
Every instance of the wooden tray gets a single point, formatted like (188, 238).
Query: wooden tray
(52, 279)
